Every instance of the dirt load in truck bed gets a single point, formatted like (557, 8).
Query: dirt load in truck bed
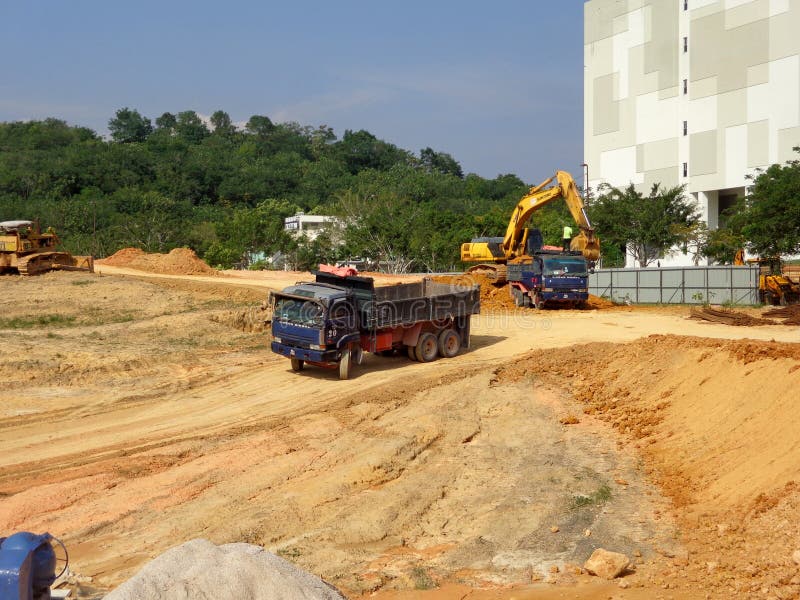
(134, 418)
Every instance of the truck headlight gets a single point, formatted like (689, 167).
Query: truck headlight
(316, 347)
(277, 339)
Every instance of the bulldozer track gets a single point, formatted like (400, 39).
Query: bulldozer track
(41, 262)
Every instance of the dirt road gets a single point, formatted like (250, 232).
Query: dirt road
(135, 419)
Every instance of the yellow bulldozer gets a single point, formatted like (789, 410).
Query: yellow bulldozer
(26, 250)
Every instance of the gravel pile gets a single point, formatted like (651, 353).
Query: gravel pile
(200, 570)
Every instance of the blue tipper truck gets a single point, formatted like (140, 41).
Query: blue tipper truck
(333, 320)
(550, 276)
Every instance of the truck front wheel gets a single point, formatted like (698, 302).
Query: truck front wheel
(537, 301)
(345, 365)
(297, 365)
(427, 347)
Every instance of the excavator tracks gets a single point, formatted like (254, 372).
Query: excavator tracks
(497, 274)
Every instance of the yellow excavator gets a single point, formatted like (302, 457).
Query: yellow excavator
(26, 250)
(495, 253)
(774, 287)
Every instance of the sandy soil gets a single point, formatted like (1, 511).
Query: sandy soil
(135, 417)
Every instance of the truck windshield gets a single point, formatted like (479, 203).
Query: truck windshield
(565, 267)
(298, 312)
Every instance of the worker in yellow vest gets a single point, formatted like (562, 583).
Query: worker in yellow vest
(567, 237)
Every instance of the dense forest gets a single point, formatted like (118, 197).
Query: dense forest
(224, 191)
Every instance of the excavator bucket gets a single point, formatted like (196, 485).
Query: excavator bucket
(590, 248)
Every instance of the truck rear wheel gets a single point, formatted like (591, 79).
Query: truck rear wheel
(345, 365)
(449, 343)
(297, 364)
(412, 352)
(427, 347)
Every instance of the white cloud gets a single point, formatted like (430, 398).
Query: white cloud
(323, 106)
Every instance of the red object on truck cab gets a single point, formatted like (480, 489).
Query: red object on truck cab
(339, 271)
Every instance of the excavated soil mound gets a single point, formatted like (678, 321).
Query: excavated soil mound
(717, 423)
(122, 258)
(198, 570)
(180, 261)
(599, 303)
(493, 297)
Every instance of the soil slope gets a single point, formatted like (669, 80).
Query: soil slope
(718, 424)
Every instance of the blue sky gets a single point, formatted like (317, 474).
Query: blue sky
(497, 85)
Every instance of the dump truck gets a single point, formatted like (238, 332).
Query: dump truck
(26, 250)
(332, 321)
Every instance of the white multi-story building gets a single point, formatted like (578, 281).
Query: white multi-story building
(694, 92)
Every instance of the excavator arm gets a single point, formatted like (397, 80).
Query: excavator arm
(541, 195)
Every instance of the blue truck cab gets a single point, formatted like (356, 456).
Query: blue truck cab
(312, 322)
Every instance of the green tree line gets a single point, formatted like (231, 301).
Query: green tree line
(224, 190)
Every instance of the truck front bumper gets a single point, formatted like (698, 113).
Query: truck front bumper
(319, 357)
(564, 296)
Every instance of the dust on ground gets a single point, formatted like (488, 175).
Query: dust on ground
(137, 418)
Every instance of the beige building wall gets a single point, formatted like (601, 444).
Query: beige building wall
(694, 92)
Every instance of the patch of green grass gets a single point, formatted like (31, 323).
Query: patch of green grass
(600, 496)
(187, 342)
(422, 581)
(121, 318)
(38, 321)
(289, 553)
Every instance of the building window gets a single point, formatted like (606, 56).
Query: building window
(685, 127)
(685, 169)
(685, 44)
(685, 86)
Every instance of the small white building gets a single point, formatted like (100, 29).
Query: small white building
(309, 226)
